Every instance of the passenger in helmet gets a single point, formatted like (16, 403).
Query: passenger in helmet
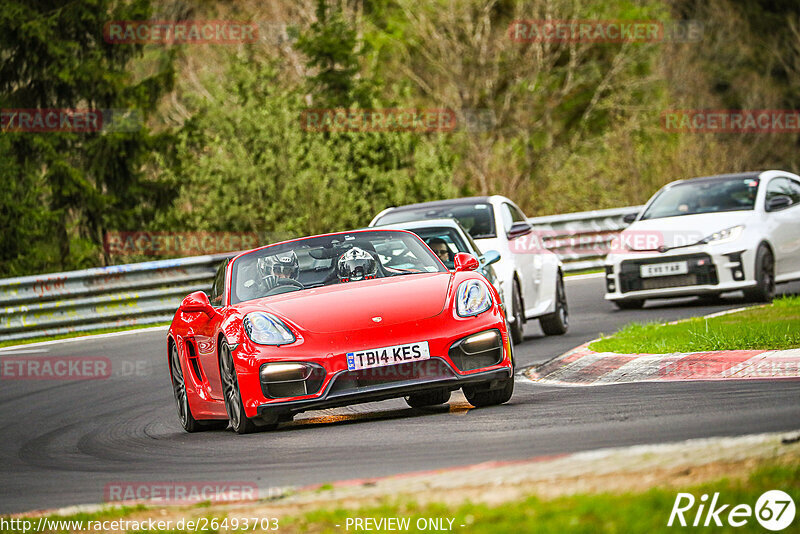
(356, 264)
(276, 268)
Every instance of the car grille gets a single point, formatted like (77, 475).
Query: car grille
(701, 272)
(431, 369)
(295, 388)
(669, 281)
(466, 360)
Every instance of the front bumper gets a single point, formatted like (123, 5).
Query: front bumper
(342, 390)
(711, 270)
(443, 333)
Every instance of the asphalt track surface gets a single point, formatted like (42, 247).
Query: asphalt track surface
(62, 442)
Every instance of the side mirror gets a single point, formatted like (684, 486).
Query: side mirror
(489, 258)
(778, 202)
(519, 229)
(465, 262)
(197, 302)
(629, 218)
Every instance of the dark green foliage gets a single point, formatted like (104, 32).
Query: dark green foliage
(333, 51)
(248, 165)
(62, 190)
(577, 125)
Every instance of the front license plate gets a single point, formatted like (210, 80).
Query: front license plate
(664, 269)
(365, 359)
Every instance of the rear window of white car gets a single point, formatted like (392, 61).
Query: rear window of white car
(704, 196)
(477, 219)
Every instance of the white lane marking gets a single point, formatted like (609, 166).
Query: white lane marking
(520, 380)
(29, 351)
(89, 337)
(589, 276)
(734, 310)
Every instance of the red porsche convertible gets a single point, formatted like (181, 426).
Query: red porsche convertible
(333, 320)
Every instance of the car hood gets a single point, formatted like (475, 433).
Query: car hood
(650, 234)
(354, 306)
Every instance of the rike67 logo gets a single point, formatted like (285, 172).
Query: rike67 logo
(774, 510)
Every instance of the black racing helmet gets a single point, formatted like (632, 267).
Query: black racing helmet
(283, 264)
(356, 264)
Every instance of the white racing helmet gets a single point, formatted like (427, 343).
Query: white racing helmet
(356, 264)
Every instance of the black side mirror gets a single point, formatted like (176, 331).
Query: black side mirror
(519, 229)
(629, 218)
(778, 202)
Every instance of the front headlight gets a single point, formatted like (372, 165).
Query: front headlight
(266, 329)
(724, 236)
(472, 298)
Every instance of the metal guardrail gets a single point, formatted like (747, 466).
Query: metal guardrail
(106, 297)
(150, 292)
(581, 240)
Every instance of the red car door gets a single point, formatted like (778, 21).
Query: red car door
(205, 335)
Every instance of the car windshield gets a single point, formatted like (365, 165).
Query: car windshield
(705, 196)
(477, 219)
(327, 260)
(444, 242)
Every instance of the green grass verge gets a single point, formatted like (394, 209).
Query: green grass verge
(79, 334)
(776, 326)
(646, 512)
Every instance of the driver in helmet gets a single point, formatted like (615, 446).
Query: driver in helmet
(356, 264)
(277, 268)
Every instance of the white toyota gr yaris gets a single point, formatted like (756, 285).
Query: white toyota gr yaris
(708, 236)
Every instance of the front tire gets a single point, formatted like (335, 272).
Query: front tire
(240, 423)
(557, 323)
(765, 277)
(428, 398)
(188, 422)
(490, 397)
(517, 327)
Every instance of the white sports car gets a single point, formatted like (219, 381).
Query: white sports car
(708, 236)
(531, 277)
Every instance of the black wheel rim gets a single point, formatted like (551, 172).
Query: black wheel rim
(563, 311)
(768, 274)
(179, 387)
(230, 388)
(517, 310)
